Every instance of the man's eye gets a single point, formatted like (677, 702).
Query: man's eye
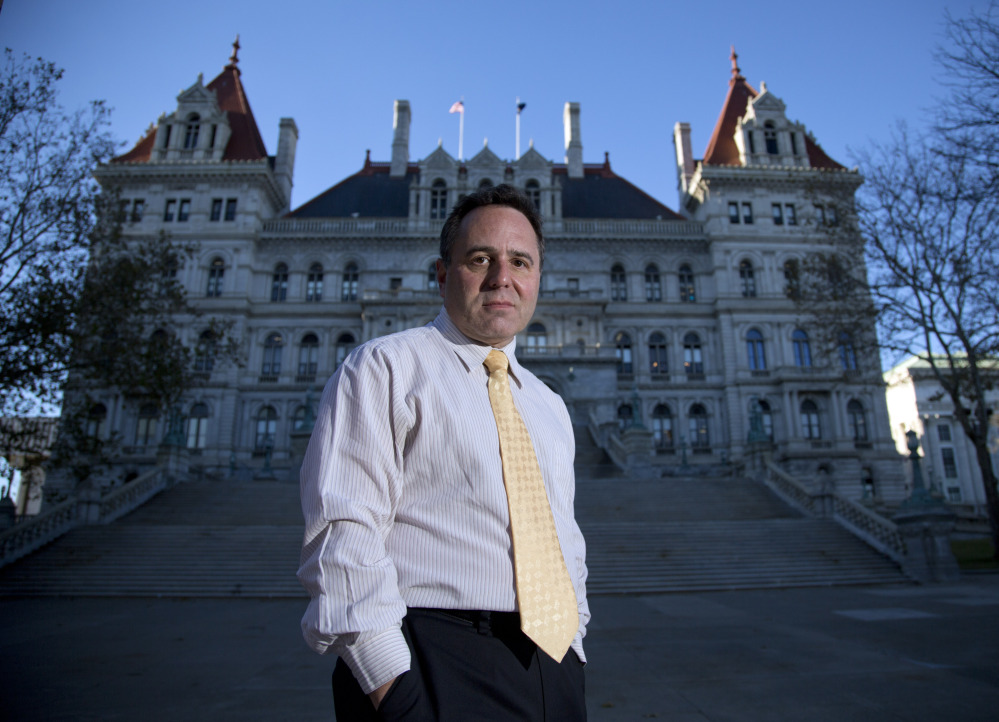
(480, 260)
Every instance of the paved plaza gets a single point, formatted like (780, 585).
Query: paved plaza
(880, 653)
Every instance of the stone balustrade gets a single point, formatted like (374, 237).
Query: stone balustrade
(85, 507)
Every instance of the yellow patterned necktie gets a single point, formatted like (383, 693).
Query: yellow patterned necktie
(549, 614)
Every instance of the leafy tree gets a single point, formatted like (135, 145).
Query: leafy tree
(83, 311)
(923, 230)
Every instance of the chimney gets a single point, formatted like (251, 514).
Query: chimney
(284, 162)
(400, 140)
(573, 141)
(684, 155)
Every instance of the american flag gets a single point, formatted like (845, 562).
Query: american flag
(458, 107)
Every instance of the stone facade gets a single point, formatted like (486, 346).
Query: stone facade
(675, 324)
(917, 403)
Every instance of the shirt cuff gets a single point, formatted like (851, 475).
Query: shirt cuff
(378, 659)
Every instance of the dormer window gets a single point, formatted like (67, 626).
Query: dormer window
(191, 133)
(438, 200)
(794, 144)
(533, 191)
(770, 136)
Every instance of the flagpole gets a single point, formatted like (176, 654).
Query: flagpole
(520, 107)
(517, 156)
(461, 132)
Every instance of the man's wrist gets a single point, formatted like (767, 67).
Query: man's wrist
(378, 695)
(378, 660)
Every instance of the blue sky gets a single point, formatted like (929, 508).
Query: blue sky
(848, 70)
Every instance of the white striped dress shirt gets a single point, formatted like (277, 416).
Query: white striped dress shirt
(403, 495)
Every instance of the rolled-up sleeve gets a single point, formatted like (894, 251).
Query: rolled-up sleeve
(350, 486)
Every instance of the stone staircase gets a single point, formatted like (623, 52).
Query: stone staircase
(697, 534)
(197, 539)
(229, 538)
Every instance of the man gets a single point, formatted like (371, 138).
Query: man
(408, 554)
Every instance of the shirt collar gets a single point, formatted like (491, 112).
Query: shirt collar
(473, 354)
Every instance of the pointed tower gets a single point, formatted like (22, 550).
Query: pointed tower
(201, 176)
(766, 193)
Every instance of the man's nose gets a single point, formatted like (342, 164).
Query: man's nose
(498, 276)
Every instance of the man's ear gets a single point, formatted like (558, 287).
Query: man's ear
(441, 276)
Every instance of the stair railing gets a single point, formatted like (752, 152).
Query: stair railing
(84, 507)
(27, 536)
(874, 529)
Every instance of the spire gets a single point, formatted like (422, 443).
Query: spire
(234, 58)
(736, 72)
(722, 148)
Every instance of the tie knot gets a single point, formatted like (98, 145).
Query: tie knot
(495, 361)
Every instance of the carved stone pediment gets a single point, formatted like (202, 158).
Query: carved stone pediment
(198, 99)
(486, 159)
(439, 159)
(532, 160)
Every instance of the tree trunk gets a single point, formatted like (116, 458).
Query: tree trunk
(991, 493)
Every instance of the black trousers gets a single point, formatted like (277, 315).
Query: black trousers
(469, 667)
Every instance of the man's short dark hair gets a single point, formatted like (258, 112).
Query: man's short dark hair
(501, 195)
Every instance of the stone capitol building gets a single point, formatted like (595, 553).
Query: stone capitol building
(670, 334)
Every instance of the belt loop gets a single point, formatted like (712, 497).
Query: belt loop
(484, 624)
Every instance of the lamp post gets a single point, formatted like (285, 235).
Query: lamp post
(920, 497)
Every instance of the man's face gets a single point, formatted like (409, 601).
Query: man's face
(491, 287)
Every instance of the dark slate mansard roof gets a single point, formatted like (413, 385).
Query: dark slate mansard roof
(372, 193)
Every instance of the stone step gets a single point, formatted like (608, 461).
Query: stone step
(228, 538)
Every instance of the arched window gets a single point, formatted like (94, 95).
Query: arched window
(619, 283)
(537, 338)
(662, 427)
(624, 415)
(197, 426)
(657, 354)
(767, 418)
(204, 353)
(344, 344)
(485, 183)
(308, 355)
(802, 349)
(847, 355)
(191, 132)
(810, 426)
(622, 349)
(747, 279)
(216, 271)
(96, 421)
(857, 420)
(438, 200)
(653, 286)
(432, 284)
(351, 277)
(158, 341)
(298, 419)
(792, 279)
(770, 137)
(693, 361)
(145, 428)
(700, 437)
(272, 355)
(266, 429)
(686, 278)
(533, 190)
(755, 351)
(761, 408)
(314, 283)
(279, 283)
